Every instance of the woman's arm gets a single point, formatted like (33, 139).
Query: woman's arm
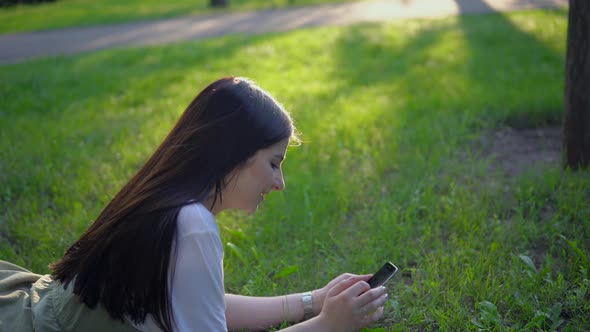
(247, 312)
(349, 305)
(260, 313)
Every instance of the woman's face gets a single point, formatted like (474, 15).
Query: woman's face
(260, 175)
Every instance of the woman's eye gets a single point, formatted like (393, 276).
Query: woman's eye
(274, 166)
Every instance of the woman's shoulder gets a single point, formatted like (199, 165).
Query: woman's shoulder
(196, 218)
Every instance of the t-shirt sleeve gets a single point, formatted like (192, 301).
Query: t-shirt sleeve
(198, 294)
(197, 291)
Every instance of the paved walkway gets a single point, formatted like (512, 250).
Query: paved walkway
(16, 48)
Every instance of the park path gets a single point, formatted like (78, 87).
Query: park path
(19, 47)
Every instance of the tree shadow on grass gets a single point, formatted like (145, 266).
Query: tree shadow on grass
(445, 82)
(489, 73)
(438, 92)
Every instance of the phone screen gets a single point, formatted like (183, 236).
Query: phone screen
(383, 275)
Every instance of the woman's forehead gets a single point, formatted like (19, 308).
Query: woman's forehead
(278, 149)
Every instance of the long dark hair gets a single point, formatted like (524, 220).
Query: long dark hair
(124, 259)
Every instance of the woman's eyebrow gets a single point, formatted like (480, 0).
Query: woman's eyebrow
(279, 157)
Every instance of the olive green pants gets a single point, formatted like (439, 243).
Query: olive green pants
(33, 302)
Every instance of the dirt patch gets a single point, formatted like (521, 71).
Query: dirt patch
(514, 151)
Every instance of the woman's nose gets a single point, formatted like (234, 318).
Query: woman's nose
(279, 182)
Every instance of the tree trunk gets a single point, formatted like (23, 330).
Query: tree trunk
(218, 3)
(576, 128)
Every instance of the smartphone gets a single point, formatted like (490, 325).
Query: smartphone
(383, 275)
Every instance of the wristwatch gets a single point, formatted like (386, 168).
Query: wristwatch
(307, 300)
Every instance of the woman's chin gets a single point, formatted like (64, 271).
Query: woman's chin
(250, 210)
(254, 210)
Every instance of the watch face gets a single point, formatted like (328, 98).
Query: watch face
(307, 305)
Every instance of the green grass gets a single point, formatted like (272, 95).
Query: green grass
(389, 113)
(74, 13)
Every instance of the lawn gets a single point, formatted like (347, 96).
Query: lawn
(389, 170)
(70, 13)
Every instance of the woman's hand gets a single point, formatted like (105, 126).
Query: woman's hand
(319, 295)
(351, 304)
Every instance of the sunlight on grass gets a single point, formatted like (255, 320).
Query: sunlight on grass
(388, 112)
(545, 29)
(73, 13)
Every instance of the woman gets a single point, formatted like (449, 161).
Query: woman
(153, 259)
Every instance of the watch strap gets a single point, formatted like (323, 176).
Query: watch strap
(307, 300)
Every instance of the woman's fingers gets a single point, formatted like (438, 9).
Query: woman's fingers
(365, 277)
(373, 317)
(345, 276)
(341, 277)
(371, 295)
(358, 288)
(371, 306)
(352, 305)
(342, 286)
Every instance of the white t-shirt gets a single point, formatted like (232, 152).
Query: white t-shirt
(198, 294)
